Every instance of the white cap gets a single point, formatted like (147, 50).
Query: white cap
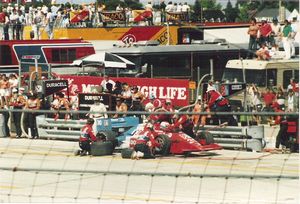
(210, 88)
(199, 98)
(22, 89)
(14, 90)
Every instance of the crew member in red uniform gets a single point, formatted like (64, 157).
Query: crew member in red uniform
(86, 137)
(217, 103)
(183, 123)
(162, 107)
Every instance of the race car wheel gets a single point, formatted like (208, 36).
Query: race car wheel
(127, 153)
(107, 136)
(165, 144)
(102, 148)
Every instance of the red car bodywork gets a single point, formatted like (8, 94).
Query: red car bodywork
(180, 143)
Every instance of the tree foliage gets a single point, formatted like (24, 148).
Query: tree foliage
(210, 5)
(231, 13)
(196, 14)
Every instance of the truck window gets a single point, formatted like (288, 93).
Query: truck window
(287, 75)
(272, 77)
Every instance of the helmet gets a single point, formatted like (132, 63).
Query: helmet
(210, 88)
(164, 125)
(157, 103)
(90, 121)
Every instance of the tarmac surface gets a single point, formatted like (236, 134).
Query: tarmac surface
(48, 171)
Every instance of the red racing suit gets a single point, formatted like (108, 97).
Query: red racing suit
(216, 99)
(87, 134)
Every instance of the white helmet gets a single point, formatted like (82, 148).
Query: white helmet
(164, 125)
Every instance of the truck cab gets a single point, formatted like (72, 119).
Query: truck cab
(262, 73)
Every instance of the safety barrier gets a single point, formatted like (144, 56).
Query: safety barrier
(70, 129)
(59, 129)
(250, 137)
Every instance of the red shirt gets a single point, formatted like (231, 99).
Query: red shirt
(87, 133)
(269, 97)
(265, 30)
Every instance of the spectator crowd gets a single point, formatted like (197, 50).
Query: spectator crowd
(13, 18)
(265, 38)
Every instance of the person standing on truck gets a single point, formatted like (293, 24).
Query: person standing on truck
(86, 137)
(252, 32)
(286, 39)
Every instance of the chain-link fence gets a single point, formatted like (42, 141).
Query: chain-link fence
(46, 170)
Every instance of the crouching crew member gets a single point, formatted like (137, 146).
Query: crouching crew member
(86, 137)
(217, 103)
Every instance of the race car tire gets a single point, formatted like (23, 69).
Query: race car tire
(127, 153)
(108, 136)
(102, 148)
(165, 143)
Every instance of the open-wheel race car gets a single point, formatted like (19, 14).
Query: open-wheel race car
(156, 139)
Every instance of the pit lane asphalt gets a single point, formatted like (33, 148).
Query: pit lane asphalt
(38, 170)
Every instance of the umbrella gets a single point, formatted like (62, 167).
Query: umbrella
(105, 59)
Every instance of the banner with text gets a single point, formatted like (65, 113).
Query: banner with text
(175, 89)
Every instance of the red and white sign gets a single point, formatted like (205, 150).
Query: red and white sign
(175, 89)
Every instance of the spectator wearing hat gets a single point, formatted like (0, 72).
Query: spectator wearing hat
(121, 108)
(275, 34)
(33, 103)
(97, 110)
(17, 102)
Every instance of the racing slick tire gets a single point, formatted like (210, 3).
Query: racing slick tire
(165, 144)
(102, 148)
(108, 136)
(127, 153)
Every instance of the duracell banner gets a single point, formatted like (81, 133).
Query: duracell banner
(53, 86)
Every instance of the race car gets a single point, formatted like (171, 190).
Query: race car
(161, 140)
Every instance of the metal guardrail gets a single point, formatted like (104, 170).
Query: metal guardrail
(59, 129)
(250, 137)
